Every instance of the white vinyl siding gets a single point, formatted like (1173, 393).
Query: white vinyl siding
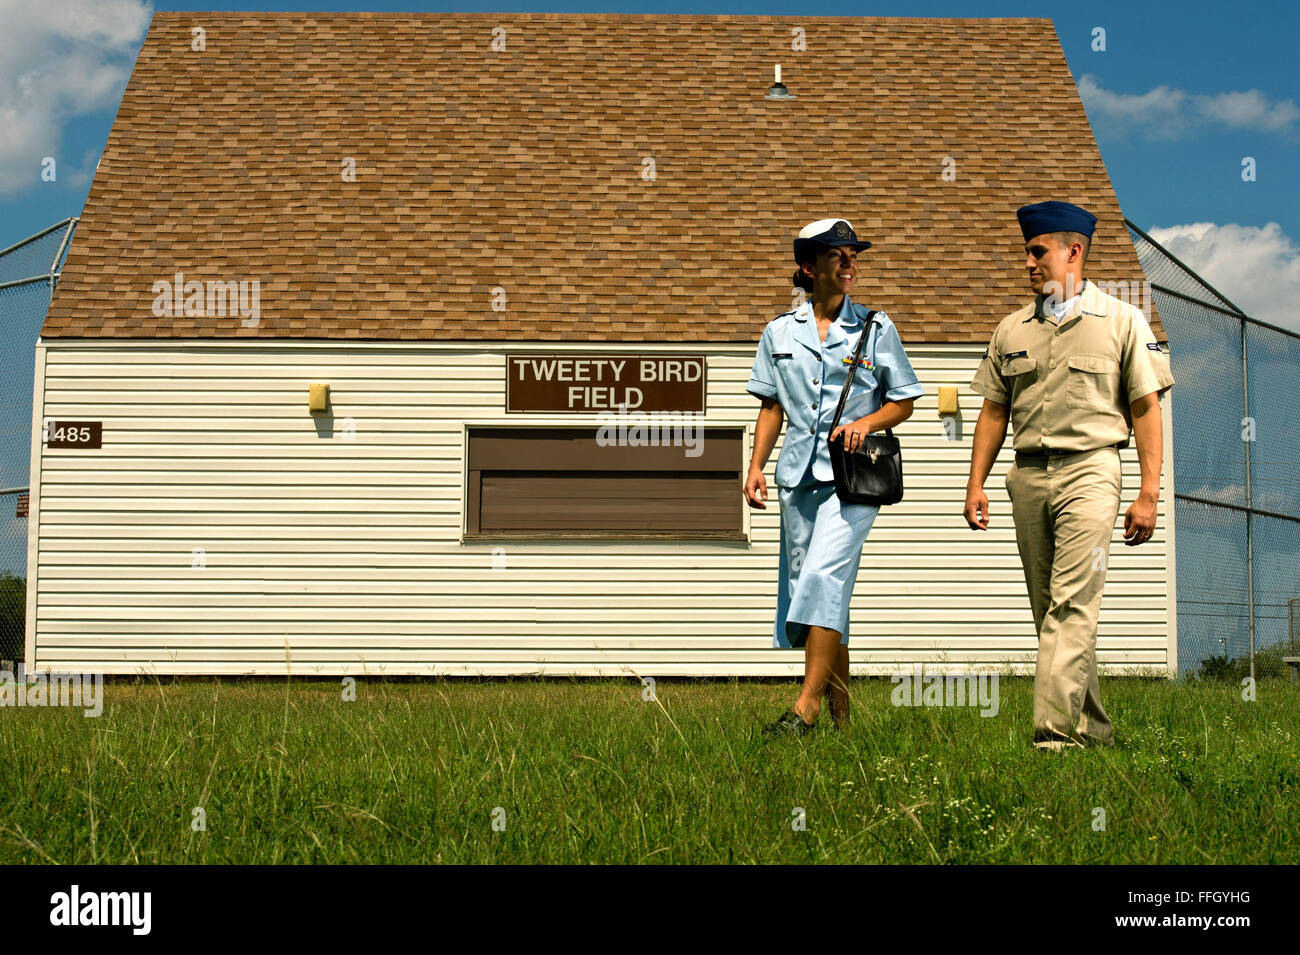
(351, 551)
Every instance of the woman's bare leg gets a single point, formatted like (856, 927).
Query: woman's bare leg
(837, 689)
(820, 653)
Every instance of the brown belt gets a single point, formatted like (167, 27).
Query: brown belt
(1042, 457)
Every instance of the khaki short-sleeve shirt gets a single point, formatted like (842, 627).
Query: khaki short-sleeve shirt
(1069, 384)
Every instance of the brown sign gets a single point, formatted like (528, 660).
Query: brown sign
(604, 382)
(22, 505)
(75, 434)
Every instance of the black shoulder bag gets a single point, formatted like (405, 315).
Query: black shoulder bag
(873, 474)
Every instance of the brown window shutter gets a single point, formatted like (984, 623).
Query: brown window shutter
(557, 482)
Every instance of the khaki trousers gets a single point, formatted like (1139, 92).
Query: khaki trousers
(1064, 509)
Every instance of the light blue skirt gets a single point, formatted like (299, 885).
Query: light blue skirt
(821, 543)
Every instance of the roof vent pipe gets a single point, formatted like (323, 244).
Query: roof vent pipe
(778, 90)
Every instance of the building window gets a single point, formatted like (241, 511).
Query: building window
(560, 482)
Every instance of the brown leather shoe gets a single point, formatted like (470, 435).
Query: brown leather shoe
(1057, 745)
(1055, 742)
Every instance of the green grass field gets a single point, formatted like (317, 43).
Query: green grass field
(588, 771)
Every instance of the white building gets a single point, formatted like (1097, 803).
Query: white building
(411, 199)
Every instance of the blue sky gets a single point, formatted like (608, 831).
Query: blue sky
(1181, 95)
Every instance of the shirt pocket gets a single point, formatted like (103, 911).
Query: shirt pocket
(785, 368)
(864, 382)
(783, 365)
(861, 400)
(1018, 373)
(860, 394)
(1092, 383)
(1020, 365)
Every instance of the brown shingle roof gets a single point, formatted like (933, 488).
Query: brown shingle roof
(523, 169)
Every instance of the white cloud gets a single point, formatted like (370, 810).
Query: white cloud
(1167, 113)
(1257, 269)
(1251, 109)
(62, 58)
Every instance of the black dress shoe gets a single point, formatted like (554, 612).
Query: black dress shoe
(790, 722)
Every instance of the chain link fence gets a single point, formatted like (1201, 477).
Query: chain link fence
(1236, 475)
(29, 271)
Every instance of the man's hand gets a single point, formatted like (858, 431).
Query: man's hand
(976, 511)
(990, 432)
(756, 489)
(1140, 520)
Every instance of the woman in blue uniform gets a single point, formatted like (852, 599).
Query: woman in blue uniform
(799, 371)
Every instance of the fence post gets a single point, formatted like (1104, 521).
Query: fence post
(1250, 528)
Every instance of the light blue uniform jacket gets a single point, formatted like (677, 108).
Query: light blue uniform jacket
(806, 375)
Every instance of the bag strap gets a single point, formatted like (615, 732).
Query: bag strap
(870, 330)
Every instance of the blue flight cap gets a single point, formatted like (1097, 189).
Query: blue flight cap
(1054, 216)
(826, 233)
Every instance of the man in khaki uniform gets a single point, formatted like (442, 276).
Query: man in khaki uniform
(1075, 371)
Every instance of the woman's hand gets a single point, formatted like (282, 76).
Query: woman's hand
(852, 434)
(756, 489)
(891, 413)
